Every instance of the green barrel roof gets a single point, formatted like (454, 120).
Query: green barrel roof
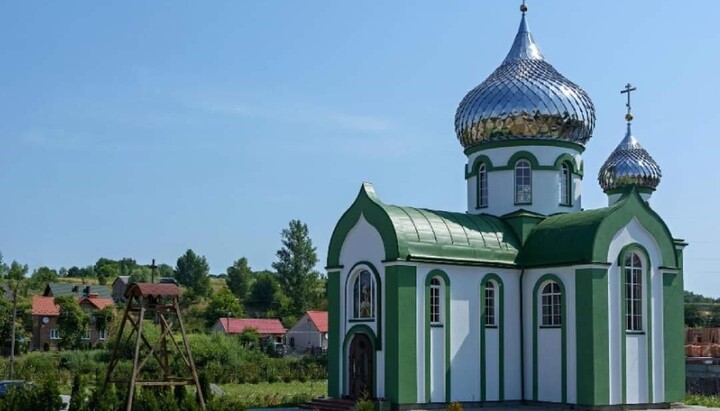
(419, 234)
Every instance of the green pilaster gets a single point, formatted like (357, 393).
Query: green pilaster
(400, 336)
(673, 313)
(334, 389)
(591, 322)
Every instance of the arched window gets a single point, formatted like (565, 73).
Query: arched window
(490, 318)
(482, 187)
(633, 292)
(565, 185)
(436, 301)
(523, 182)
(364, 295)
(551, 305)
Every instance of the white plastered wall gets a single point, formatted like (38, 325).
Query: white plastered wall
(636, 345)
(363, 243)
(549, 340)
(465, 329)
(545, 183)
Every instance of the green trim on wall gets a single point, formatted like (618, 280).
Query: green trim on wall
(567, 158)
(475, 166)
(360, 329)
(563, 309)
(592, 336)
(500, 325)
(523, 155)
(674, 341)
(401, 334)
(647, 315)
(334, 327)
(378, 299)
(528, 142)
(446, 330)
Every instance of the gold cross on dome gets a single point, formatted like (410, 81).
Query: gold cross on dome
(628, 90)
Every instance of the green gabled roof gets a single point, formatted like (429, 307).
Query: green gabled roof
(584, 237)
(419, 234)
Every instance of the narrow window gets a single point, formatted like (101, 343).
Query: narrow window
(363, 295)
(551, 305)
(565, 185)
(435, 307)
(633, 292)
(523, 182)
(490, 304)
(482, 188)
(87, 335)
(101, 335)
(54, 335)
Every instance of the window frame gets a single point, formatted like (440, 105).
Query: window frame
(523, 166)
(356, 303)
(634, 287)
(490, 305)
(54, 334)
(87, 335)
(482, 187)
(551, 305)
(101, 335)
(565, 184)
(436, 309)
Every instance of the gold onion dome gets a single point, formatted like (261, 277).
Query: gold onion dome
(630, 164)
(525, 99)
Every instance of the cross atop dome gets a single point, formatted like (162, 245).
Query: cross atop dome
(627, 90)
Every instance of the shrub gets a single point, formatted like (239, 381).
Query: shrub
(45, 395)
(454, 406)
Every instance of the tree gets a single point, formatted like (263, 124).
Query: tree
(42, 276)
(192, 271)
(140, 275)
(73, 322)
(222, 305)
(238, 278)
(295, 266)
(250, 337)
(694, 317)
(16, 275)
(3, 267)
(165, 270)
(103, 318)
(265, 294)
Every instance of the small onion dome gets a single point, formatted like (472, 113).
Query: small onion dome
(525, 98)
(629, 164)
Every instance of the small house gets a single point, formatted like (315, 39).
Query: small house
(268, 328)
(309, 333)
(45, 315)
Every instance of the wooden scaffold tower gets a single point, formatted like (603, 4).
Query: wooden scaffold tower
(159, 302)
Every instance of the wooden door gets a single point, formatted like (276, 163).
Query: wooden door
(360, 367)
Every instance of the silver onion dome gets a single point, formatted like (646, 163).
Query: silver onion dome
(629, 164)
(525, 98)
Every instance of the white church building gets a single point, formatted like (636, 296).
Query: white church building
(525, 296)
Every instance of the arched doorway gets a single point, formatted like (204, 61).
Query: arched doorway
(360, 367)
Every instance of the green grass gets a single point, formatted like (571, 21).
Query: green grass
(705, 401)
(275, 394)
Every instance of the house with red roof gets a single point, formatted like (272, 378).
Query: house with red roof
(45, 314)
(268, 328)
(309, 333)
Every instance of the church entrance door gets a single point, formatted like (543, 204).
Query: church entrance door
(360, 367)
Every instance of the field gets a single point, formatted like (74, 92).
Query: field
(705, 401)
(275, 394)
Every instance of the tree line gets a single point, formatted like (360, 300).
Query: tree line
(293, 287)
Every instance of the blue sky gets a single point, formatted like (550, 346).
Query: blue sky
(142, 129)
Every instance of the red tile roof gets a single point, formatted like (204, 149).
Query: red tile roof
(320, 319)
(44, 306)
(145, 289)
(264, 326)
(98, 303)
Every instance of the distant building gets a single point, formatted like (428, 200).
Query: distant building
(118, 288)
(78, 290)
(268, 328)
(45, 314)
(310, 332)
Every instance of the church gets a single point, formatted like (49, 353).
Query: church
(526, 296)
